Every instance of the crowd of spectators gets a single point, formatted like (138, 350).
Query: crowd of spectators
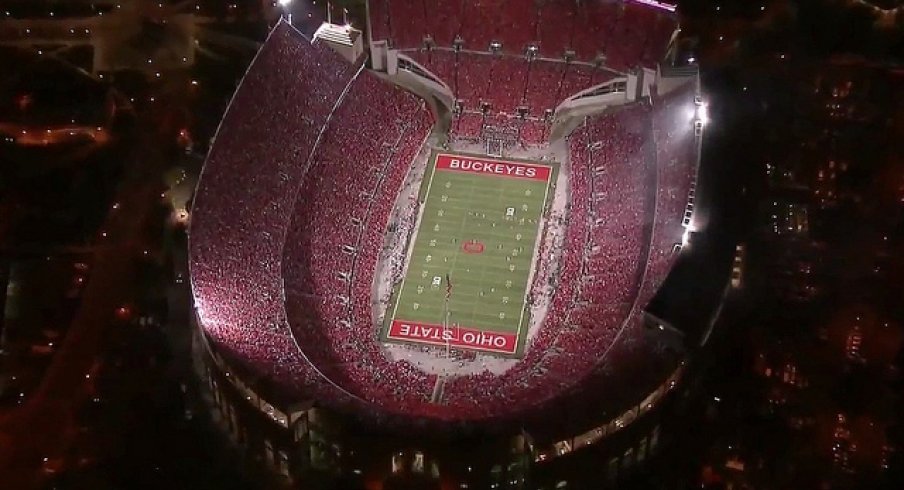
(625, 33)
(523, 91)
(619, 211)
(244, 207)
(544, 86)
(507, 128)
(441, 62)
(618, 180)
(332, 250)
(244, 200)
(468, 125)
(505, 83)
(291, 214)
(533, 132)
(579, 77)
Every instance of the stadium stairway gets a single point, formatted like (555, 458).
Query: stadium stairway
(437, 395)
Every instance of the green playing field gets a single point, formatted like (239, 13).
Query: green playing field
(478, 231)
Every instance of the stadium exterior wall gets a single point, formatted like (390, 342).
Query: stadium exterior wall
(290, 440)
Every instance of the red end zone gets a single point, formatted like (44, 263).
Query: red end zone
(465, 338)
(488, 166)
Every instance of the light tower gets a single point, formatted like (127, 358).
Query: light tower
(284, 4)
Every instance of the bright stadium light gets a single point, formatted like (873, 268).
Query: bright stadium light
(703, 113)
(284, 4)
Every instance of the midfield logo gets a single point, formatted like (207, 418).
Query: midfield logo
(472, 247)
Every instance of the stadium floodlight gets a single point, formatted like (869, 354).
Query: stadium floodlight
(703, 114)
(284, 4)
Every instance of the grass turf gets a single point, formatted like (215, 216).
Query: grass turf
(503, 214)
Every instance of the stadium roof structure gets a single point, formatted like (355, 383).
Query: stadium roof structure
(289, 218)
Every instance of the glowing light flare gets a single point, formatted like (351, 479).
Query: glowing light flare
(284, 3)
(123, 312)
(181, 216)
(703, 113)
(686, 236)
(659, 5)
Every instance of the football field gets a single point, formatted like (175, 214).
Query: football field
(469, 266)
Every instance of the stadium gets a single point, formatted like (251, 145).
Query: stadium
(459, 219)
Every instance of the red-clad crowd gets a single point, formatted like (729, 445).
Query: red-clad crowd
(341, 213)
(504, 83)
(578, 326)
(625, 33)
(291, 214)
(243, 205)
(468, 125)
(617, 180)
(490, 90)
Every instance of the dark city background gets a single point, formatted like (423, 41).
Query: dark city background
(108, 110)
